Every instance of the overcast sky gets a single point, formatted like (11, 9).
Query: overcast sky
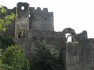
(77, 14)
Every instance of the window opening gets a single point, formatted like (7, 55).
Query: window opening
(29, 15)
(68, 37)
(22, 8)
(21, 34)
(45, 18)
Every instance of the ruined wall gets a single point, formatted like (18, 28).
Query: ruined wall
(38, 25)
(80, 56)
(72, 56)
(80, 52)
(29, 43)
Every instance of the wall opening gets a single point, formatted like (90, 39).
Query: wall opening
(68, 37)
(45, 18)
(29, 15)
(22, 8)
(21, 34)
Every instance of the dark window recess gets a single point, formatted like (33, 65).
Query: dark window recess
(21, 35)
(45, 18)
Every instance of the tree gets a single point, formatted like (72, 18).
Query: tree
(46, 57)
(3, 66)
(6, 41)
(14, 56)
(5, 19)
(0, 60)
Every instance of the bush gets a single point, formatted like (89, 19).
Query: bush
(14, 56)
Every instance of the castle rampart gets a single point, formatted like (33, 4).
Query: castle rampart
(37, 24)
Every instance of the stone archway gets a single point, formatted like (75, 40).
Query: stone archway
(71, 32)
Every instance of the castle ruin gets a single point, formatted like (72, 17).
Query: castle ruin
(33, 24)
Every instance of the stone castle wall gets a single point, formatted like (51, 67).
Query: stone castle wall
(37, 24)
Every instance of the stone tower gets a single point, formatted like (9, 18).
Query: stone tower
(41, 20)
(22, 20)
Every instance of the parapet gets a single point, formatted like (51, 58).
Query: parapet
(38, 9)
(45, 9)
(22, 4)
(31, 9)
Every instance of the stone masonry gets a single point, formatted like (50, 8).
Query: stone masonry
(33, 24)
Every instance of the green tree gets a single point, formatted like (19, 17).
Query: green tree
(14, 56)
(46, 57)
(0, 60)
(5, 19)
(3, 66)
(6, 41)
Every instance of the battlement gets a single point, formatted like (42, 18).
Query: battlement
(38, 9)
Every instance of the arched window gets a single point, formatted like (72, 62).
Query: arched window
(69, 34)
(68, 37)
(19, 35)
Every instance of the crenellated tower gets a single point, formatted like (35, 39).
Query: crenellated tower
(41, 20)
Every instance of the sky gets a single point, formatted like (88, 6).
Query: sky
(77, 14)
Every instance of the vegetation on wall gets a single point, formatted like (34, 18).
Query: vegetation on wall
(46, 57)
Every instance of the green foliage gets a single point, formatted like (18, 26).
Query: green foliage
(5, 20)
(6, 41)
(0, 57)
(3, 10)
(0, 60)
(3, 66)
(14, 57)
(46, 57)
